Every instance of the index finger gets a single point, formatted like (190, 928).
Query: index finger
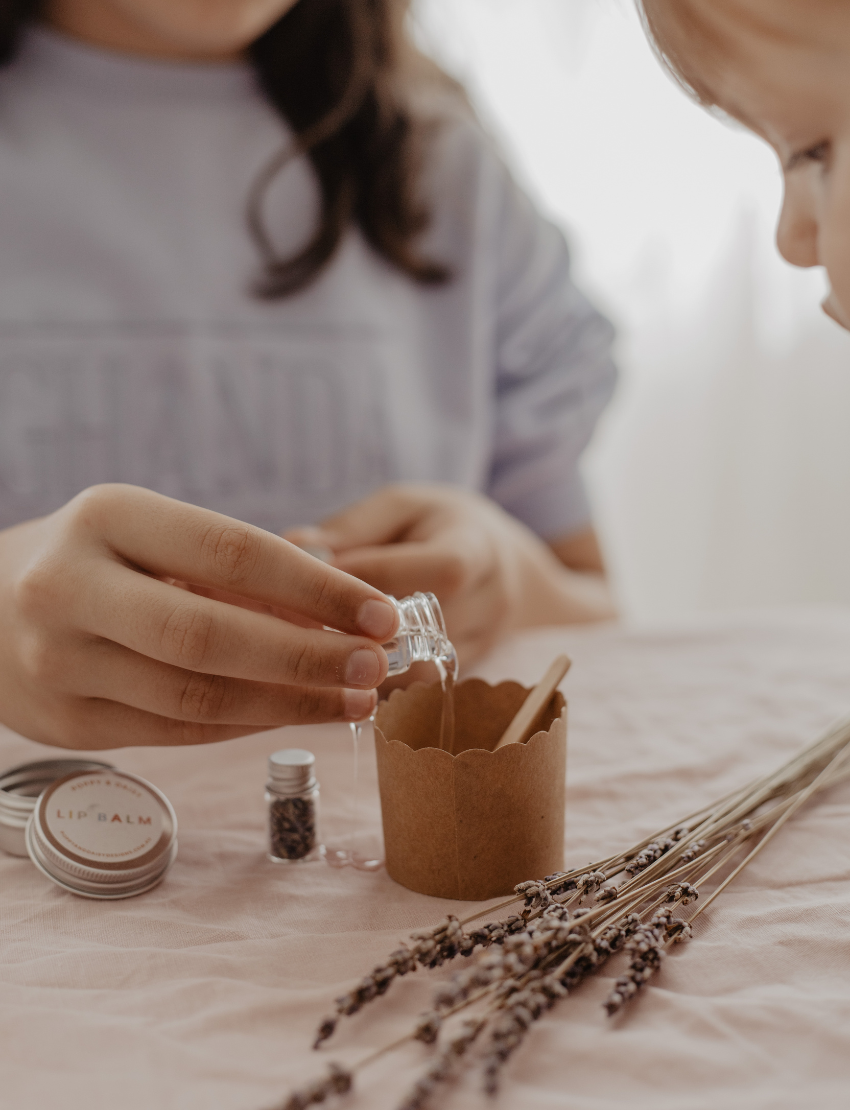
(386, 516)
(170, 538)
(404, 568)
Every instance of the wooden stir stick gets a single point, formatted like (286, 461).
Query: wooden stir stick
(522, 726)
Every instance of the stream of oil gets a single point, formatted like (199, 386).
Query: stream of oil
(352, 856)
(447, 670)
(363, 861)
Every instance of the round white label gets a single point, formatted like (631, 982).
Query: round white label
(104, 817)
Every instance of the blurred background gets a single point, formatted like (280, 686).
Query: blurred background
(721, 475)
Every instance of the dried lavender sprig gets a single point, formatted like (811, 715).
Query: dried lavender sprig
(717, 821)
(692, 845)
(771, 819)
(574, 953)
(435, 946)
(430, 949)
(722, 811)
(794, 773)
(642, 969)
(492, 933)
(650, 896)
(443, 1067)
(515, 957)
(797, 773)
(616, 900)
(649, 855)
(534, 997)
(509, 1029)
(338, 1081)
(683, 893)
(596, 873)
(559, 883)
(647, 950)
(584, 960)
(823, 777)
(572, 970)
(511, 975)
(647, 947)
(531, 994)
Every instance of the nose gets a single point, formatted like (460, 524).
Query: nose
(797, 231)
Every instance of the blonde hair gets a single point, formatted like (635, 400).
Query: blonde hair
(696, 39)
(682, 37)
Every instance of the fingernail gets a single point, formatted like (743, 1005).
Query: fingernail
(363, 668)
(358, 704)
(377, 619)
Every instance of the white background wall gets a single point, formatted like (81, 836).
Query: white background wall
(721, 475)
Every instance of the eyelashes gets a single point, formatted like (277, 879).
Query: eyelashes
(817, 153)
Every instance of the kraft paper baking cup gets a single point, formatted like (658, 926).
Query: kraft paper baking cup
(473, 822)
(103, 834)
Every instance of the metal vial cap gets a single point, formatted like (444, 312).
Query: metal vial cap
(291, 771)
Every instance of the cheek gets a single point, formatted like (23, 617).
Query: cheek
(834, 238)
(797, 232)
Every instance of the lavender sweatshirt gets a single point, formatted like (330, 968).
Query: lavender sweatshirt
(132, 350)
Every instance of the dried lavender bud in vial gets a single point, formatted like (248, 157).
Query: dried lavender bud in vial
(292, 827)
(292, 796)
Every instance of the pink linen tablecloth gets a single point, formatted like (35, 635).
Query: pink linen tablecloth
(203, 994)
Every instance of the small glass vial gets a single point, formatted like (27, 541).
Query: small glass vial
(292, 797)
(421, 635)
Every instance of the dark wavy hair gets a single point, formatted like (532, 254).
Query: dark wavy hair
(339, 72)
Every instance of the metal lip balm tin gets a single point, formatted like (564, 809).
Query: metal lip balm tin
(19, 790)
(103, 834)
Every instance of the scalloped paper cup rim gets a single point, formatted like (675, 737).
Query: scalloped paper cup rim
(471, 823)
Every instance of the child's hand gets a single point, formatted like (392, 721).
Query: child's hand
(491, 574)
(101, 649)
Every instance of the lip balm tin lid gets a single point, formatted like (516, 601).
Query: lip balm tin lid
(103, 834)
(20, 787)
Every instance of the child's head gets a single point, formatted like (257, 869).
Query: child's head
(781, 67)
